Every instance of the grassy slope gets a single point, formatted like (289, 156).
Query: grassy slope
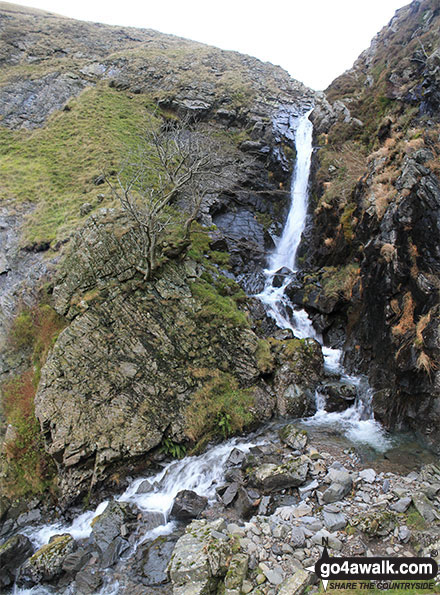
(55, 166)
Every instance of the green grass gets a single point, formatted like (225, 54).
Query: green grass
(218, 308)
(55, 166)
(220, 408)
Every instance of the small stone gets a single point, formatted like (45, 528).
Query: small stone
(275, 575)
(313, 453)
(260, 579)
(404, 534)
(246, 587)
(296, 584)
(334, 521)
(297, 537)
(386, 486)
(368, 475)
(306, 490)
(401, 505)
(234, 529)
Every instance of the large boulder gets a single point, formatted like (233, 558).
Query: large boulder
(200, 558)
(47, 562)
(300, 365)
(106, 528)
(12, 555)
(270, 477)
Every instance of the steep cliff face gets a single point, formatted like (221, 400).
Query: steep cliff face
(377, 215)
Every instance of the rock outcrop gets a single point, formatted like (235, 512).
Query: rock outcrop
(375, 209)
(122, 377)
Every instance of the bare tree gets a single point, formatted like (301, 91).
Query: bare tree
(168, 161)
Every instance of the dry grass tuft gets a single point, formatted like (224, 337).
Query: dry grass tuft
(406, 322)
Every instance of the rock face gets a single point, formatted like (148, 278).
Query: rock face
(120, 373)
(376, 212)
(124, 372)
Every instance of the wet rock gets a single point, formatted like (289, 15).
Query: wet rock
(87, 581)
(113, 552)
(47, 562)
(294, 437)
(188, 505)
(280, 276)
(292, 473)
(230, 493)
(107, 526)
(12, 555)
(338, 395)
(151, 560)
(236, 457)
(76, 560)
(300, 365)
(244, 505)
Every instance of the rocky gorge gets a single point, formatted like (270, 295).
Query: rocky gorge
(107, 373)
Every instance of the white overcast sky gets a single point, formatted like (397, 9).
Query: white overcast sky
(314, 40)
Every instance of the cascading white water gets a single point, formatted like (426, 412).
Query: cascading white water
(201, 474)
(287, 247)
(357, 422)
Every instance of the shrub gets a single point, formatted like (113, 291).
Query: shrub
(28, 469)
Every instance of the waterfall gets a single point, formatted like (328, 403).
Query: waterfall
(287, 247)
(356, 422)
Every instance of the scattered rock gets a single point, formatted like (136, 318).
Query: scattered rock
(294, 437)
(401, 505)
(424, 507)
(296, 584)
(368, 475)
(334, 521)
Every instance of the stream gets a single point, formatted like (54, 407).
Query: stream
(353, 428)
